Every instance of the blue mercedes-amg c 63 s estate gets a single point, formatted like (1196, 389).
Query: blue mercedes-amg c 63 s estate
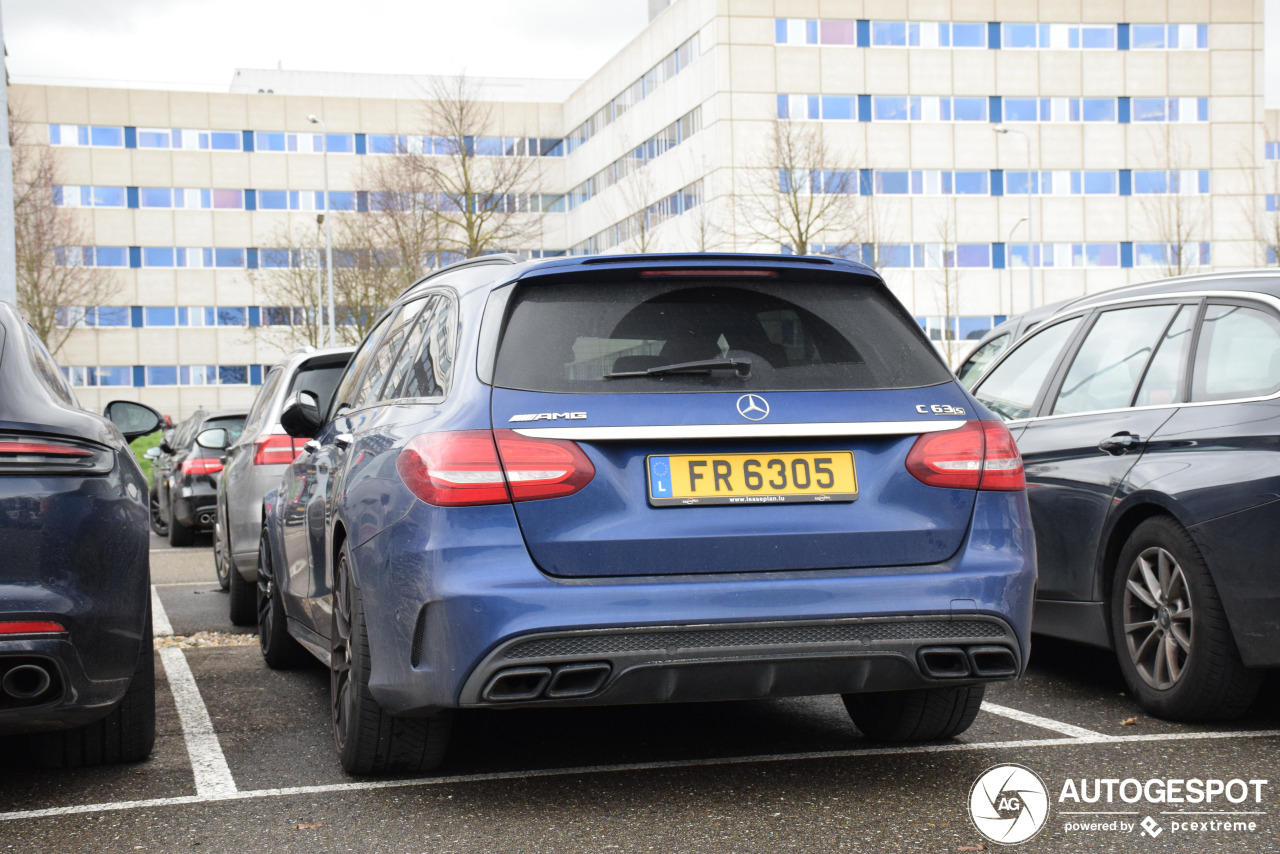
(642, 479)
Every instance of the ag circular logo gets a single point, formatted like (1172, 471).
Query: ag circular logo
(753, 407)
(1009, 804)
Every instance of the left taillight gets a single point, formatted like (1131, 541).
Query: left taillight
(473, 467)
(35, 454)
(202, 465)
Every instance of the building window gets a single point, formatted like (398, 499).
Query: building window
(304, 143)
(1171, 254)
(97, 377)
(1170, 109)
(1169, 37)
(967, 328)
(1058, 36)
(1100, 182)
(98, 317)
(88, 197)
(1066, 254)
(86, 136)
(91, 256)
(1173, 181)
(179, 139)
(934, 255)
(188, 199)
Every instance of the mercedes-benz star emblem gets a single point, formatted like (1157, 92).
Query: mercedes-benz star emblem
(753, 407)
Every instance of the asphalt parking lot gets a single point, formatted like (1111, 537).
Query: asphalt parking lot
(243, 762)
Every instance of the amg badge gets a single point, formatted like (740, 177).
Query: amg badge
(549, 416)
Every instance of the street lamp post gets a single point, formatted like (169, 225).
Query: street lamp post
(328, 227)
(1009, 242)
(1031, 265)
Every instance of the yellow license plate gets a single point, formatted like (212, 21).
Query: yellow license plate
(688, 480)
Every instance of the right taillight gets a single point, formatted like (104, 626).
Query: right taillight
(471, 467)
(276, 450)
(978, 455)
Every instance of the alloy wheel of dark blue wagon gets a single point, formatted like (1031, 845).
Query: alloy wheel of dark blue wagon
(340, 654)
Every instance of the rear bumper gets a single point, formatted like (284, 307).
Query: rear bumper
(742, 661)
(196, 506)
(450, 606)
(79, 691)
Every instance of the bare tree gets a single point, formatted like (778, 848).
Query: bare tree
(479, 188)
(708, 235)
(53, 277)
(947, 279)
(802, 192)
(877, 219)
(404, 218)
(635, 193)
(1177, 215)
(1264, 192)
(290, 279)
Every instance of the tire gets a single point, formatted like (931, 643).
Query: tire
(224, 569)
(243, 607)
(368, 740)
(158, 525)
(923, 714)
(127, 734)
(179, 534)
(279, 649)
(1170, 633)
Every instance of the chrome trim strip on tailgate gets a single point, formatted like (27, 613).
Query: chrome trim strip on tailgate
(743, 431)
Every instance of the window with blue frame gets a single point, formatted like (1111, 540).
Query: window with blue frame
(98, 317)
(1171, 254)
(91, 256)
(88, 197)
(1169, 109)
(99, 376)
(189, 140)
(161, 375)
(1169, 37)
(86, 136)
(304, 143)
(895, 108)
(1066, 254)
(159, 315)
(1179, 181)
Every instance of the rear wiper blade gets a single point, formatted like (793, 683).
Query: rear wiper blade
(742, 367)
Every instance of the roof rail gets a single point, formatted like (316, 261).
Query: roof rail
(481, 260)
(707, 256)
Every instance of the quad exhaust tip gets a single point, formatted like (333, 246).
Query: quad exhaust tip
(567, 681)
(954, 662)
(206, 518)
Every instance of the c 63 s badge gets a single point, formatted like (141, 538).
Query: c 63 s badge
(548, 416)
(938, 409)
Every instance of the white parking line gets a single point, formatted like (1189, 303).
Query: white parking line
(951, 747)
(160, 625)
(1044, 723)
(213, 777)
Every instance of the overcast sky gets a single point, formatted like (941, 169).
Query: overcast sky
(200, 43)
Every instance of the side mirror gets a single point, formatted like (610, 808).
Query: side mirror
(133, 419)
(215, 439)
(301, 417)
(153, 453)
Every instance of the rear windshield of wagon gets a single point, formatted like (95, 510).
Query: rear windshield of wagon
(829, 333)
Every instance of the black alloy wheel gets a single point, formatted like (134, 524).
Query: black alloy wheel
(158, 525)
(222, 561)
(279, 649)
(368, 740)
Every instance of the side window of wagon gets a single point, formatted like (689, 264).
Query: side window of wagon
(426, 363)
(1110, 363)
(1011, 389)
(1238, 354)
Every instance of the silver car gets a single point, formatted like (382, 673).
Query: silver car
(254, 464)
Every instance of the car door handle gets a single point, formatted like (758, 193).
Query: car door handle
(311, 446)
(1120, 443)
(342, 440)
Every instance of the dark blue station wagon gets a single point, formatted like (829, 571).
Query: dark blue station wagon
(646, 479)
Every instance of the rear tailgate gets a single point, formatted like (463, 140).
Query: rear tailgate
(621, 524)
(779, 443)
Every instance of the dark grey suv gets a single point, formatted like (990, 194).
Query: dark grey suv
(1148, 421)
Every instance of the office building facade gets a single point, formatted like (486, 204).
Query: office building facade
(1138, 143)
